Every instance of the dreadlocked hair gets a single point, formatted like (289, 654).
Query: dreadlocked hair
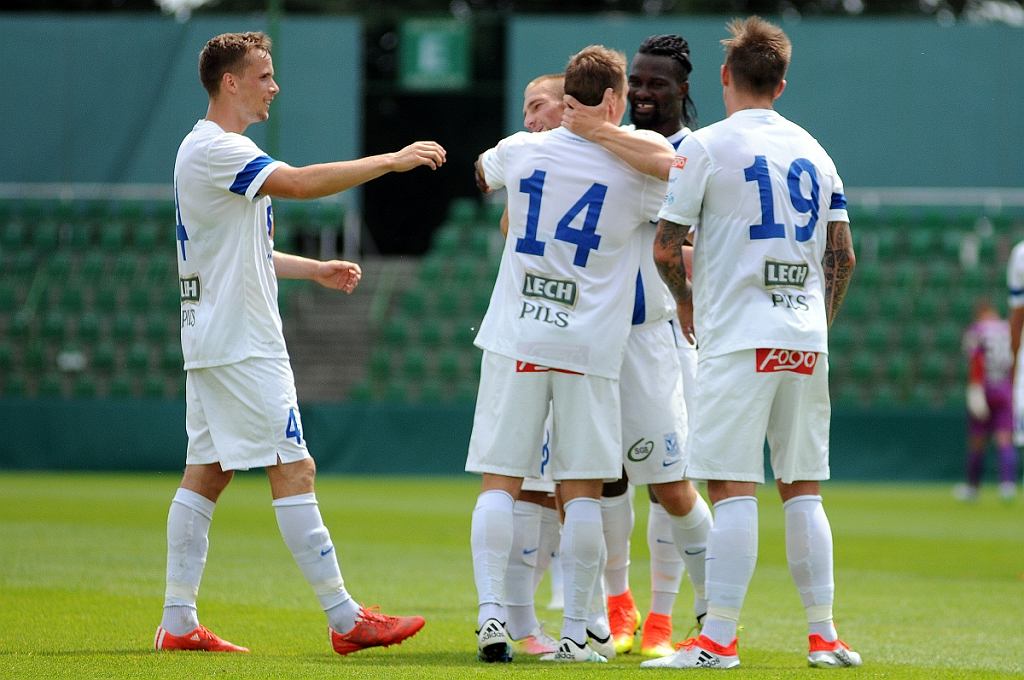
(677, 49)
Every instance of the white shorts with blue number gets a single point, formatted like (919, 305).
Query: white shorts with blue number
(653, 412)
(511, 409)
(738, 407)
(243, 415)
(542, 482)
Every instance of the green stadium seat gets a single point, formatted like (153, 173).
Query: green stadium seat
(932, 367)
(913, 337)
(939, 275)
(58, 266)
(897, 368)
(79, 236)
(432, 391)
(84, 386)
(397, 391)
(847, 395)
(125, 267)
(414, 364)
(92, 266)
(886, 243)
(112, 236)
(360, 393)
(160, 270)
(396, 332)
(6, 357)
(144, 236)
(12, 234)
(449, 300)
(88, 327)
(431, 333)
(15, 385)
(105, 298)
(171, 359)
(103, 357)
(855, 307)
(23, 263)
(876, 335)
(463, 210)
(947, 338)
(491, 214)
(921, 242)
(953, 396)
(45, 236)
(8, 297)
(120, 387)
(138, 299)
(154, 387)
(50, 385)
(974, 280)
(21, 324)
(72, 300)
(54, 325)
(137, 359)
(480, 240)
(884, 396)
(466, 391)
(431, 270)
(465, 270)
(862, 366)
(923, 396)
(840, 337)
(950, 245)
(447, 242)
(413, 303)
(926, 308)
(868, 275)
(905, 274)
(479, 300)
(448, 365)
(987, 249)
(961, 307)
(380, 364)
(157, 328)
(123, 326)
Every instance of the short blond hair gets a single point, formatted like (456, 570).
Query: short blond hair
(551, 82)
(227, 53)
(757, 55)
(593, 70)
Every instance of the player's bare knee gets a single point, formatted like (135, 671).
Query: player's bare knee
(678, 498)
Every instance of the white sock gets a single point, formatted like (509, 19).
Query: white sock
(666, 564)
(303, 531)
(188, 528)
(491, 542)
(731, 557)
(809, 553)
(597, 618)
(522, 565)
(617, 519)
(581, 554)
(690, 533)
(547, 549)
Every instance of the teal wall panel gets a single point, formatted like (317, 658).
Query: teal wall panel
(377, 438)
(108, 98)
(896, 102)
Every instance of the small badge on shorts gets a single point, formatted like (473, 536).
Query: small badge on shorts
(641, 450)
(793, 360)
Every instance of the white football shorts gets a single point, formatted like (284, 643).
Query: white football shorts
(542, 481)
(744, 397)
(511, 409)
(688, 362)
(653, 412)
(243, 415)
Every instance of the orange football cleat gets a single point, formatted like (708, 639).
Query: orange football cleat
(201, 639)
(374, 629)
(656, 639)
(624, 621)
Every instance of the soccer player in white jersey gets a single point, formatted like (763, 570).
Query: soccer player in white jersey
(677, 530)
(241, 407)
(1015, 283)
(555, 330)
(771, 264)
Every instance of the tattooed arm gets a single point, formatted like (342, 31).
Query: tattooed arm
(838, 264)
(668, 256)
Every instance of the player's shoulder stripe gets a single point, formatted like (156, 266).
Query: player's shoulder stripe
(247, 174)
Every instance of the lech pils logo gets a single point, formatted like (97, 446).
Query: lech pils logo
(190, 288)
(784, 274)
(556, 290)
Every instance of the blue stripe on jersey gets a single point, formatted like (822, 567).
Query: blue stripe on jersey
(245, 177)
(838, 202)
(639, 304)
(1014, 292)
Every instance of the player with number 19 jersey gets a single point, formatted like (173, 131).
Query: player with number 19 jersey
(564, 292)
(757, 262)
(229, 309)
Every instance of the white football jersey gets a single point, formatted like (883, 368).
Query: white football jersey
(1015, 276)
(225, 229)
(760, 192)
(565, 289)
(654, 301)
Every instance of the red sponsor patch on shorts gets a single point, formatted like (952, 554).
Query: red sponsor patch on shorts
(793, 360)
(679, 162)
(527, 367)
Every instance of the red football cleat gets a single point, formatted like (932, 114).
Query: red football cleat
(199, 640)
(374, 629)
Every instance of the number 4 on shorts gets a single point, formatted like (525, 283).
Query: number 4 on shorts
(291, 430)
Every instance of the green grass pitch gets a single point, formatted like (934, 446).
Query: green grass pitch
(926, 587)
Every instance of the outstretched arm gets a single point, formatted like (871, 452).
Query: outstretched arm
(335, 274)
(645, 154)
(668, 256)
(838, 263)
(324, 179)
